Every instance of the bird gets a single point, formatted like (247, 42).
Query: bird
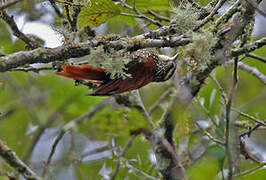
(145, 67)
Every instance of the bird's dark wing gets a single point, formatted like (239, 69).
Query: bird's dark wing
(142, 74)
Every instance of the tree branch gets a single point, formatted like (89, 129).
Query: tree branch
(71, 50)
(139, 14)
(252, 70)
(12, 159)
(9, 4)
(227, 36)
(249, 47)
(32, 44)
(56, 9)
(256, 57)
(73, 123)
(128, 145)
(260, 122)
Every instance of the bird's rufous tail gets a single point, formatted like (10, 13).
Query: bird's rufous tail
(84, 72)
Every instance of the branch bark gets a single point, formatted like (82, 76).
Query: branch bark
(12, 159)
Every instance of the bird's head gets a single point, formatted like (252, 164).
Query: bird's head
(165, 67)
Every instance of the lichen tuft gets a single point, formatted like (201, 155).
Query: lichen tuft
(113, 61)
(200, 50)
(186, 18)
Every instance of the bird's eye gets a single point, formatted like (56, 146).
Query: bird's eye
(171, 65)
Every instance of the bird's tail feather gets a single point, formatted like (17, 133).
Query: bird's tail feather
(84, 72)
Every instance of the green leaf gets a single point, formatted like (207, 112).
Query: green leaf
(203, 2)
(98, 13)
(120, 19)
(160, 5)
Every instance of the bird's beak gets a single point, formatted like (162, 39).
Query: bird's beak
(167, 58)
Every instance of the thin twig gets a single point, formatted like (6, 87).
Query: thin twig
(57, 11)
(32, 44)
(147, 116)
(228, 14)
(9, 4)
(71, 125)
(76, 11)
(250, 117)
(252, 70)
(47, 124)
(88, 115)
(94, 151)
(221, 89)
(12, 159)
(72, 16)
(211, 4)
(66, 7)
(157, 16)
(143, 110)
(142, 16)
(139, 172)
(195, 4)
(139, 14)
(33, 69)
(210, 16)
(128, 145)
(207, 111)
(251, 171)
(160, 100)
(210, 136)
(250, 131)
(151, 168)
(165, 136)
(70, 3)
(229, 124)
(171, 150)
(249, 47)
(57, 140)
(262, 59)
(255, 6)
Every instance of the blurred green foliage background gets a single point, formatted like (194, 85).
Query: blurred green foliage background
(29, 100)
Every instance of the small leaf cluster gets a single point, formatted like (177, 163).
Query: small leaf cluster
(97, 13)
